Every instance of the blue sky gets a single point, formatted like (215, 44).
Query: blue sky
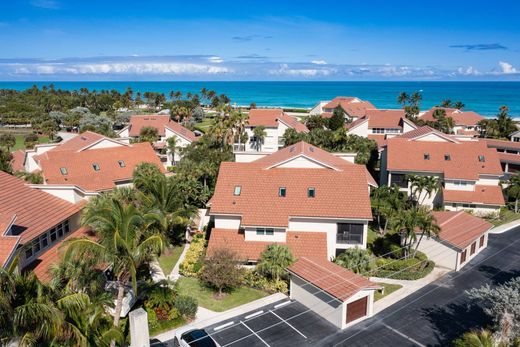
(262, 40)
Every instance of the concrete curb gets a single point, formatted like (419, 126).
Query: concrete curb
(505, 227)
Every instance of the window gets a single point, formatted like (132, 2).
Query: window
(378, 131)
(66, 226)
(463, 256)
(36, 246)
(399, 180)
(447, 157)
(311, 192)
(481, 242)
(237, 191)
(473, 247)
(349, 233)
(95, 167)
(281, 192)
(481, 158)
(28, 252)
(265, 231)
(460, 183)
(426, 156)
(121, 163)
(53, 235)
(63, 170)
(469, 206)
(45, 241)
(60, 231)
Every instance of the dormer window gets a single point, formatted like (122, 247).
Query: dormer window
(281, 192)
(447, 157)
(63, 170)
(311, 192)
(426, 156)
(481, 158)
(96, 167)
(237, 190)
(121, 163)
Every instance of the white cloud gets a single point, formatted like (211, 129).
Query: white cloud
(507, 68)
(468, 71)
(319, 62)
(48, 4)
(300, 72)
(215, 59)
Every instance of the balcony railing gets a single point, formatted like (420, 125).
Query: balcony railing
(350, 238)
(239, 147)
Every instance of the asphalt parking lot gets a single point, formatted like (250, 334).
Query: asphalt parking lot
(286, 323)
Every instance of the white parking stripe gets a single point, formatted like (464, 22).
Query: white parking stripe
(286, 322)
(282, 304)
(254, 314)
(223, 326)
(403, 335)
(251, 330)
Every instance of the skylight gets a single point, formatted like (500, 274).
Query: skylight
(95, 167)
(481, 158)
(282, 192)
(426, 156)
(237, 191)
(121, 163)
(63, 170)
(311, 192)
(447, 157)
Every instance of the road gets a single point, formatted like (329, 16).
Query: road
(442, 310)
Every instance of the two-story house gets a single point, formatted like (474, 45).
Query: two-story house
(353, 107)
(166, 128)
(379, 125)
(508, 153)
(468, 172)
(465, 122)
(316, 203)
(275, 123)
(32, 222)
(86, 165)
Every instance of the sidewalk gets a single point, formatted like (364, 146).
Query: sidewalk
(174, 275)
(408, 288)
(207, 317)
(505, 227)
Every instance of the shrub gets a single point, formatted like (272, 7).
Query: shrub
(192, 263)
(186, 306)
(222, 271)
(356, 259)
(254, 279)
(274, 260)
(30, 140)
(153, 322)
(404, 269)
(388, 246)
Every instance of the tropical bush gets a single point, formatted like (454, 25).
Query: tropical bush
(186, 306)
(161, 299)
(274, 260)
(193, 260)
(404, 269)
(222, 271)
(255, 279)
(356, 259)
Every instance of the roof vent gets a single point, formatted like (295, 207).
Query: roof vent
(311, 149)
(83, 138)
(291, 149)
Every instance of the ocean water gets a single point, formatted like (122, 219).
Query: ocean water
(482, 97)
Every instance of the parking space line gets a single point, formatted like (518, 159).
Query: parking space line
(282, 304)
(286, 322)
(251, 330)
(223, 326)
(254, 314)
(403, 335)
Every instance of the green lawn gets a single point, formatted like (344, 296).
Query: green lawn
(20, 142)
(169, 258)
(506, 216)
(389, 288)
(204, 295)
(204, 125)
(166, 325)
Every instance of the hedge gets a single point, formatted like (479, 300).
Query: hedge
(192, 263)
(404, 269)
(254, 279)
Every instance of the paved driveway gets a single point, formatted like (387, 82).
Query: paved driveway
(441, 311)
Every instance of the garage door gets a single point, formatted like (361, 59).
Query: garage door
(357, 309)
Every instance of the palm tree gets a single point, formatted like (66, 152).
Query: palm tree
(408, 221)
(459, 105)
(415, 98)
(274, 260)
(446, 103)
(513, 189)
(422, 184)
(403, 98)
(123, 246)
(259, 134)
(482, 338)
(427, 224)
(171, 145)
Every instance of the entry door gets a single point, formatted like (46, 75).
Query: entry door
(357, 309)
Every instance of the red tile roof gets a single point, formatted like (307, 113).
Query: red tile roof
(302, 244)
(18, 161)
(341, 188)
(426, 130)
(36, 211)
(331, 278)
(461, 118)
(42, 265)
(78, 142)
(81, 173)
(269, 117)
(460, 229)
(160, 122)
(408, 156)
(509, 158)
(502, 144)
(487, 195)
(8, 245)
(354, 107)
(388, 119)
(380, 139)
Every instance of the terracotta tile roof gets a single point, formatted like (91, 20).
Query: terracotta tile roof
(160, 122)
(331, 278)
(267, 117)
(509, 158)
(18, 161)
(380, 139)
(36, 211)
(354, 107)
(341, 190)
(409, 156)
(78, 142)
(292, 122)
(80, 171)
(392, 119)
(326, 114)
(502, 144)
(461, 118)
(460, 228)
(426, 130)
(302, 244)
(8, 245)
(42, 265)
(487, 195)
